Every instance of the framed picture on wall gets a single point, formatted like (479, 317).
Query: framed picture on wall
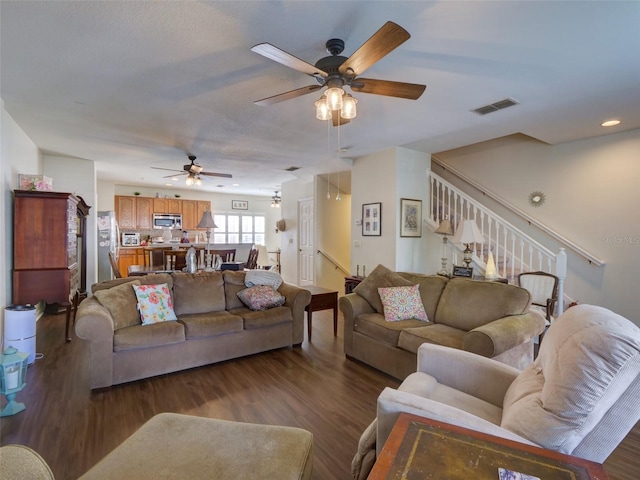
(410, 217)
(239, 205)
(371, 219)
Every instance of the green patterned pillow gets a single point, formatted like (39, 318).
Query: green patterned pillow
(155, 304)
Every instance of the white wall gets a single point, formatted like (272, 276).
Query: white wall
(18, 154)
(592, 197)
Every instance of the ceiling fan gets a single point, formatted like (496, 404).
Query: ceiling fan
(336, 71)
(193, 171)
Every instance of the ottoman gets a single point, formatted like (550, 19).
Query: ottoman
(172, 446)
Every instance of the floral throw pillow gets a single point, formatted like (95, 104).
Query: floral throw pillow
(402, 303)
(154, 303)
(261, 297)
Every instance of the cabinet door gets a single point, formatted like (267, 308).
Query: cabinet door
(126, 212)
(189, 208)
(144, 212)
(174, 205)
(201, 207)
(128, 257)
(160, 205)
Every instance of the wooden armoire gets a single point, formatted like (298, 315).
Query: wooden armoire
(47, 253)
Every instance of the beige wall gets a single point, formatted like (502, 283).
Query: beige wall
(292, 191)
(592, 195)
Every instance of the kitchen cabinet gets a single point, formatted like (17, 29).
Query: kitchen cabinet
(189, 210)
(126, 212)
(166, 205)
(144, 213)
(202, 206)
(128, 257)
(174, 206)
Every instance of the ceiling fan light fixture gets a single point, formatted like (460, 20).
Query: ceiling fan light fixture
(190, 180)
(348, 107)
(334, 98)
(198, 181)
(323, 112)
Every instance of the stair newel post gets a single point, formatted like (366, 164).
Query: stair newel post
(561, 273)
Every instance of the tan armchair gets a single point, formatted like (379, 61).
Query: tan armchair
(579, 397)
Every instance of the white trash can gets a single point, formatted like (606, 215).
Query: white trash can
(20, 329)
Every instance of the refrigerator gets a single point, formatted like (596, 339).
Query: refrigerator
(108, 241)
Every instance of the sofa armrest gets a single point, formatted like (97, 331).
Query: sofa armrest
(467, 372)
(95, 324)
(296, 299)
(391, 403)
(504, 334)
(352, 305)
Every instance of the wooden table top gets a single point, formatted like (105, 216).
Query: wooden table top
(418, 445)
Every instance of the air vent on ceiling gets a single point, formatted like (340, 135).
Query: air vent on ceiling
(292, 169)
(494, 107)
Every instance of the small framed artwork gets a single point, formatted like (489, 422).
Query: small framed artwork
(239, 205)
(459, 271)
(371, 218)
(410, 217)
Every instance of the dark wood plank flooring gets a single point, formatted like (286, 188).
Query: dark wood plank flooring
(312, 387)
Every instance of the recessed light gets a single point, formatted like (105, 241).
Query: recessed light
(611, 123)
(175, 179)
(169, 184)
(235, 184)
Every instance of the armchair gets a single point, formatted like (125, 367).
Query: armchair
(543, 288)
(579, 397)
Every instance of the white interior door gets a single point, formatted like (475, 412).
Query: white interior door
(305, 242)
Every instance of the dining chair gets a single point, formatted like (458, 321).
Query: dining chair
(252, 259)
(175, 259)
(226, 255)
(543, 288)
(114, 265)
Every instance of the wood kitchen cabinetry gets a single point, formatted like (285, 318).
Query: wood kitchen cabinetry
(144, 213)
(166, 205)
(189, 211)
(126, 212)
(136, 213)
(128, 257)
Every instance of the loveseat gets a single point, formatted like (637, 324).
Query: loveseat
(488, 318)
(212, 325)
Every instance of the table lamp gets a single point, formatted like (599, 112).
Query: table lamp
(263, 256)
(445, 229)
(207, 222)
(13, 371)
(467, 233)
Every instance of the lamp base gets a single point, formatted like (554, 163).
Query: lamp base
(443, 271)
(12, 407)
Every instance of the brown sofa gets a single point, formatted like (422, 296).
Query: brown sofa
(213, 325)
(488, 318)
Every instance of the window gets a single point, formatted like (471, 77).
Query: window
(234, 228)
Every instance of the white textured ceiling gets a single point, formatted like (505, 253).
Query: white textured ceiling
(132, 84)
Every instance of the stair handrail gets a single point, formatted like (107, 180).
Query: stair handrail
(335, 263)
(510, 244)
(592, 259)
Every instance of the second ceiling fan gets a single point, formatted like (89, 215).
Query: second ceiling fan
(336, 72)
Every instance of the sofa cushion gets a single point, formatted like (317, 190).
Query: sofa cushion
(155, 303)
(198, 325)
(431, 287)
(233, 283)
(263, 318)
(589, 356)
(152, 279)
(122, 304)
(261, 297)
(143, 336)
(402, 303)
(198, 293)
(375, 326)
(381, 276)
(411, 338)
(466, 304)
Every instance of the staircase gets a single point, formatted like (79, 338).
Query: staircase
(513, 250)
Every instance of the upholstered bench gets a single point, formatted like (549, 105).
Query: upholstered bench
(172, 445)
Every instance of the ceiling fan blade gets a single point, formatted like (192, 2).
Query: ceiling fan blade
(337, 120)
(168, 169)
(175, 175)
(277, 55)
(213, 174)
(412, 91)
(288, 95)
(388, 38)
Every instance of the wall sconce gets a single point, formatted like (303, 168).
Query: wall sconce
(13, 372)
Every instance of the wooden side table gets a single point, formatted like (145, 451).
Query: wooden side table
(322, 299)
(350, 283)
(418, 444)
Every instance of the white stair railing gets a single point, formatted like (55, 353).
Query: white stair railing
(514, 251)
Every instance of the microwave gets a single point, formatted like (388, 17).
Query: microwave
(167, 220)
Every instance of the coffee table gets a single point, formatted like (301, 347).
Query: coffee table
(322, 299)
(421, 448)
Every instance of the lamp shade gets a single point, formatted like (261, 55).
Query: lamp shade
(445, 227)
(207, 220)
(263, 256)
(467, 232)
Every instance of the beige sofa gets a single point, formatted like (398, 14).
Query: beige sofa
(213, 325)
(488, 318)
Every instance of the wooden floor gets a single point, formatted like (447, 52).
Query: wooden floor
(312, 387)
